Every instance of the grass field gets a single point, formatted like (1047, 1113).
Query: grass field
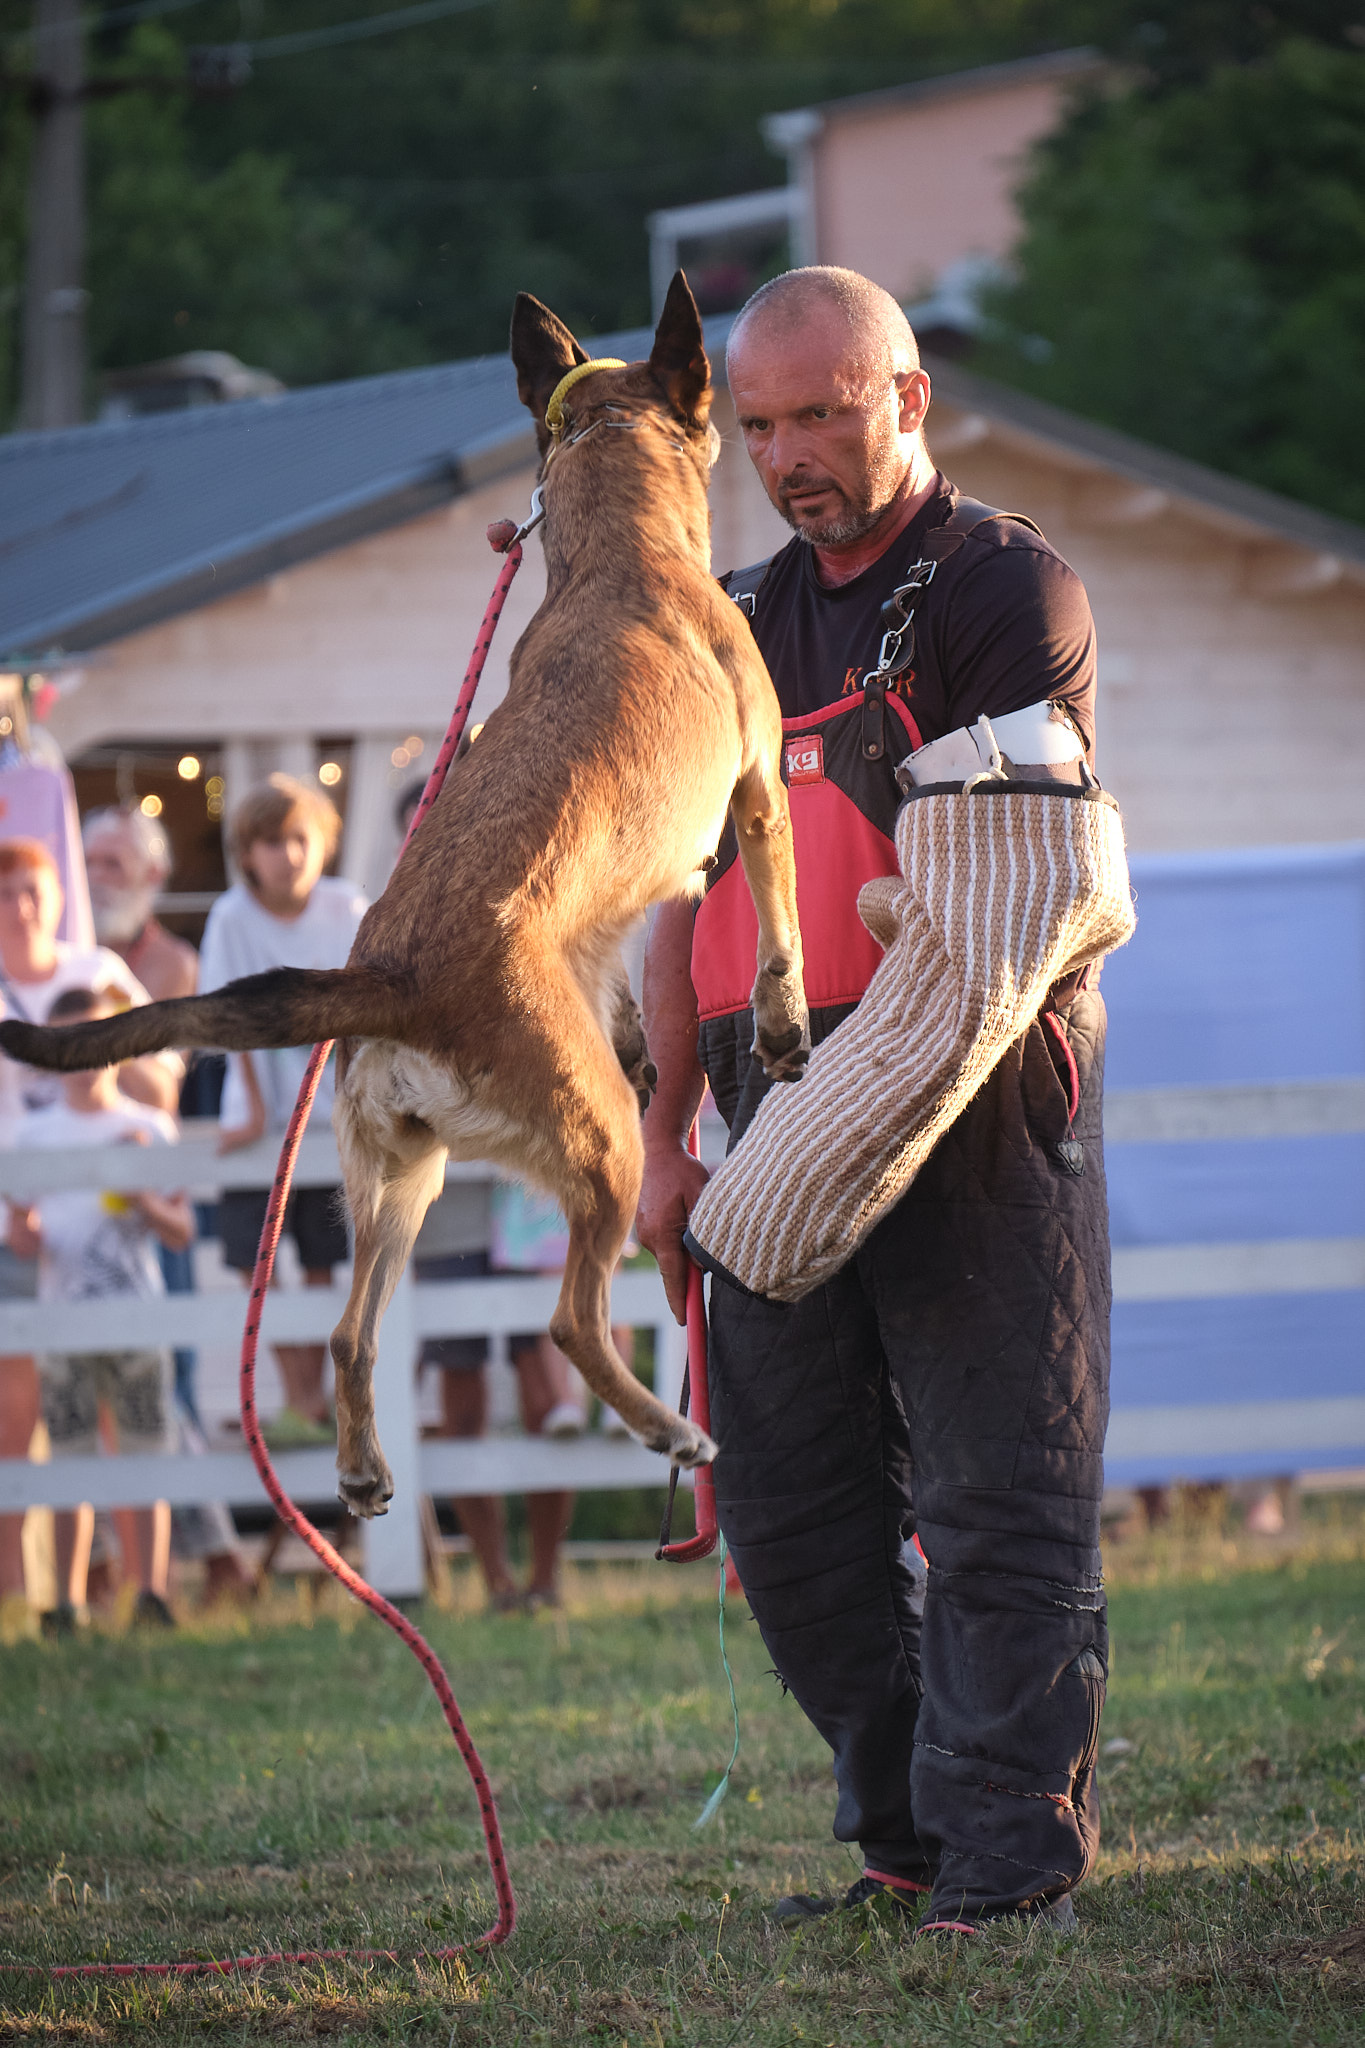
(287, 1782)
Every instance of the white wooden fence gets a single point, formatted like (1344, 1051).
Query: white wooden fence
(468, 1307)
(393, 1556)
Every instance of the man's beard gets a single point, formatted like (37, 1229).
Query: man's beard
(840, 528)
(856, 517)
(121, 914)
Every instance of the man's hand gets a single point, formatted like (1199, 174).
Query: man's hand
(673, 1181)
(24, 1232)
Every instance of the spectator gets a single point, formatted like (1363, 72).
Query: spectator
(283, 913)
(36, 967)
(93, 1247)
(128, 864)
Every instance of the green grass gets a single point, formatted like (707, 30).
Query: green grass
(288, 1782)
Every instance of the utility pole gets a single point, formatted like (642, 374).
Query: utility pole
(55, 298)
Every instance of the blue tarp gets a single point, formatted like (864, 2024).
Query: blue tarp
(1246, 967)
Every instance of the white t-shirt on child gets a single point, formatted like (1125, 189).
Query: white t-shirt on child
(95, 1245)
(243, 938)
(95, 967)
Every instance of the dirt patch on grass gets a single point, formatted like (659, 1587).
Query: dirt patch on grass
(1344, 1952)
(612, 1794)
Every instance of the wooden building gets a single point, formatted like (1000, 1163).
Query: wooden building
(297, 580)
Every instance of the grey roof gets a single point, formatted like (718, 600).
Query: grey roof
(107, 528)
(1208, 491)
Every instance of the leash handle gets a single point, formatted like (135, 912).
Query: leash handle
(696, 1390)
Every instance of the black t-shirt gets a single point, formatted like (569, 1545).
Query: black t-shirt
(1005, 624)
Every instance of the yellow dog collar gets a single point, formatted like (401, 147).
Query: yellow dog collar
(554, 411)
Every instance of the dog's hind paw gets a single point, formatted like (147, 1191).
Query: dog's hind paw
(366, 1494)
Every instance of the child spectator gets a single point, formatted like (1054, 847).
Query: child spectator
(93, 1247)
(283, 913)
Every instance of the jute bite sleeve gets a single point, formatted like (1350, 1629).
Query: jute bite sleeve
(1003, 891)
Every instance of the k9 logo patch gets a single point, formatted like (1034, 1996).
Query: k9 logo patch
(806, 759)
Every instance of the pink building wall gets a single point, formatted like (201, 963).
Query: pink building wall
(901, 191)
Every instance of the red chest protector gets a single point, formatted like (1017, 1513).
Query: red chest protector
(843, 807)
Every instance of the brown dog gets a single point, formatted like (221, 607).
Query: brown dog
(484, 1012)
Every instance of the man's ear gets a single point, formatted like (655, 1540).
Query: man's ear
(543, 351)
(678, 358)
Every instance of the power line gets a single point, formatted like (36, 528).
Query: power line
(352, 31)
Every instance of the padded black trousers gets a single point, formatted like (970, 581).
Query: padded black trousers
(952, 1380)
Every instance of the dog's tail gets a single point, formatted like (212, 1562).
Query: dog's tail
(287, 1006)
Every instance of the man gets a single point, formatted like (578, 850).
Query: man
(963, 1350)
(128, 863)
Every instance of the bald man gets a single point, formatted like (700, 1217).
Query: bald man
(950, 1383)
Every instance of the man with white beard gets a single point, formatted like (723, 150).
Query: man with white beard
(127, 863)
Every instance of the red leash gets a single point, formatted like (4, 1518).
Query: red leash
(508, 541)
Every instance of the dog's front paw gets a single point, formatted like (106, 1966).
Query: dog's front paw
(366, 1494)
(783, 1054)
(683, 1442)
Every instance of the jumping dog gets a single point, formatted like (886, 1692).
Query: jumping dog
(484, 1012)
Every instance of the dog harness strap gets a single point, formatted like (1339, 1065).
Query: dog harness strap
(554, 411)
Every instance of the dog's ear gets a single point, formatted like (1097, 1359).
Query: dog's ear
(543, 351)
(678, 357)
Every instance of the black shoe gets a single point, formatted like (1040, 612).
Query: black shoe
(805, 1906)
(152, 1611)
(1057, 1915)
(58, 1622)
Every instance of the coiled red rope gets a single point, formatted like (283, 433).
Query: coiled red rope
(279, 1499)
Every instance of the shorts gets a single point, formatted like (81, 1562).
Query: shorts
(135, 1386)
(462, 1354)
(313, 1218)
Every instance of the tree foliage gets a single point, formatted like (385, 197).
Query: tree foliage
(378, 203)
(182, 251)
(1193, 270)
(1192, 267)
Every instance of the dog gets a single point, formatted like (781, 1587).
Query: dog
(484, 1012)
